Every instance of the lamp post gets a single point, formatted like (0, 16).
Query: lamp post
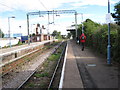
(9, 30)
(48, 23)
(1, 38)
(109, 46)
(76, 23)
(28, 29)
(82, 23)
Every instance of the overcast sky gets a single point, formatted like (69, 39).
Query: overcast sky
(92, 9)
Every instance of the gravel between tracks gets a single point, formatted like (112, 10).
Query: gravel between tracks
(15, 78)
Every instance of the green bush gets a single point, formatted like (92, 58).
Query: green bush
(19, 43)
(97, 38)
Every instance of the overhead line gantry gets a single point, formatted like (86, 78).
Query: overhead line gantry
(48, 13)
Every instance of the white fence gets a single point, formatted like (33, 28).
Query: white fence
(6, 42)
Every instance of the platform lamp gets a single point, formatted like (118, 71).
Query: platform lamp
(9, 30)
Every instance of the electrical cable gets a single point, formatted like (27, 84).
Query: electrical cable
(7, 6)
(43, 5)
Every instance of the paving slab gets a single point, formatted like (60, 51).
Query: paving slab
(94, 70)
(72, 77)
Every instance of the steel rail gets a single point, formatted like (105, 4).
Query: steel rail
(56, 68)
(25, 81)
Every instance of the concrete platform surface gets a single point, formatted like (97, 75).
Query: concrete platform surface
(15, 48)
(72, 77)
(87, 69)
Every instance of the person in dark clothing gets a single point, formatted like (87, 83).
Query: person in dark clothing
(77, 40)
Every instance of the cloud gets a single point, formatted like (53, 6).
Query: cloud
(61, 22)
(30, 5)
(14, 26)
(36, 5)
(92, 2)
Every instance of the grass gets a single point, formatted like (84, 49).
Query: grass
(42, 85)
(45, 64)
(59, 50)
(45, 74)
(54, 57)
(30, 85)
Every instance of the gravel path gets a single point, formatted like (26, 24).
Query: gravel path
(14, 79)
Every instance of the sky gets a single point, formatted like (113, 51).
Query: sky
(95, 10)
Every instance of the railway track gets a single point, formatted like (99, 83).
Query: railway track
(5, 69)
(60, 61)
(54, 73)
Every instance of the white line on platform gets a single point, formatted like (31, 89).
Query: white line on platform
(63, 70)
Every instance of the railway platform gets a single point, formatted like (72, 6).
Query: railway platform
(8, 55)
(6, 50)
(86, 69)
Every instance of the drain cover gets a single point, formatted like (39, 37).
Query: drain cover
(91, 65)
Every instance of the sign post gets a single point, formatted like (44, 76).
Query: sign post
(109, 46)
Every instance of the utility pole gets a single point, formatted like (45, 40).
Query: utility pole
(82, 23)
(28, 29)
(1, 38)
(51, 12)
(53, 17)
(76, 23)
(48, 23)
(9, 32)
(109, 46)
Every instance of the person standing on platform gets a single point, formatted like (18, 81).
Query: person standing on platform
(83, 40)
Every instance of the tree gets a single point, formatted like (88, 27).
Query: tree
(69, 35)
(90, 26)
(59, 35)
(1, 34)
(56, 34)
(116, 15)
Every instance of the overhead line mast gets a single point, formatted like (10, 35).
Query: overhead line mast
(51, 12)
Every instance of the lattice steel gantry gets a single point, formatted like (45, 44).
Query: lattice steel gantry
(48, 13)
